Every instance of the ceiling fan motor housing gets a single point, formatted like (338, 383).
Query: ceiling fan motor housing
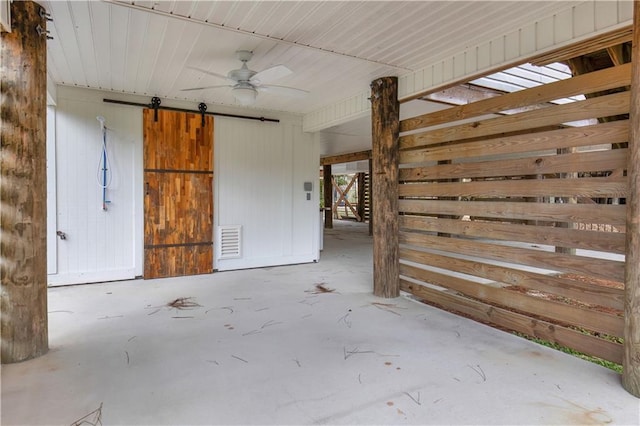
(244, 55)
(244, 73)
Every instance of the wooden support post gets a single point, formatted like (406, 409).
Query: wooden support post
(361, 197)
(328, 196)
(631, 355)
(23, 188)
(385, 120)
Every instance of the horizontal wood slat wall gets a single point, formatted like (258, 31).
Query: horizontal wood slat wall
(606, 133)
(601, 106)
(588, 213)
(519, 219)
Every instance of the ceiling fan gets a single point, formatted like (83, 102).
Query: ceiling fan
(246, 83)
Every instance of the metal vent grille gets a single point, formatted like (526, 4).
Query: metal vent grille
(230, 239)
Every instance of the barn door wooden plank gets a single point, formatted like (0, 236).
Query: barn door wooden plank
(178, 206)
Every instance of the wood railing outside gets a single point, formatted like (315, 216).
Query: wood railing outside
(485, 226)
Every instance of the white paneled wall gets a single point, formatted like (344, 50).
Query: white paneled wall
(260, 170)
(99, 245)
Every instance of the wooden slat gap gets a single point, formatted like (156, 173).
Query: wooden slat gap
(582, 265)
(584, 292)
(580, 213)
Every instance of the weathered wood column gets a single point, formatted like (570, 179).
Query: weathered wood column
(328, 196)
(385, 120)
(631, 356)
(23, 189)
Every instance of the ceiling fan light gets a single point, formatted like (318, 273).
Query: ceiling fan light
(244, 95)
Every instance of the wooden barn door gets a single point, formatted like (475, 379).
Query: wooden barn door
(178, 201)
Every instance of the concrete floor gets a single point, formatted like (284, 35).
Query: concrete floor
(264, 349)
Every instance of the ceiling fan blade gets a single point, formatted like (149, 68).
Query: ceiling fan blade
(205, 87)
(283, 90)
(273, 73)
(211, 73)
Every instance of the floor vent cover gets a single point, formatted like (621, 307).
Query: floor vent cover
(229, 237)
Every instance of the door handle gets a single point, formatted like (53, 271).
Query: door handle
(62, 235)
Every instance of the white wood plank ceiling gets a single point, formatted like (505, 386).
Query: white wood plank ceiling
(335, 48)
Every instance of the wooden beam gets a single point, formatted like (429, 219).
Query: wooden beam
(631, 356)
(385, 120)
(345, 158)
(23, 186)
(328, 196)
(616, 53)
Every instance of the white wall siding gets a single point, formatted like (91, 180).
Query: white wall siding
(52, 216)
(580, 22)
(100, 245)
(260, 169)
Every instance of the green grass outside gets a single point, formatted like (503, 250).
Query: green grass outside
(608, 364)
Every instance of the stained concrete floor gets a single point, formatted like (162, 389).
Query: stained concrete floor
(263, 348)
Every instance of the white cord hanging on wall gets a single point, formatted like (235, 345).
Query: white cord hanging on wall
(103, 174)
